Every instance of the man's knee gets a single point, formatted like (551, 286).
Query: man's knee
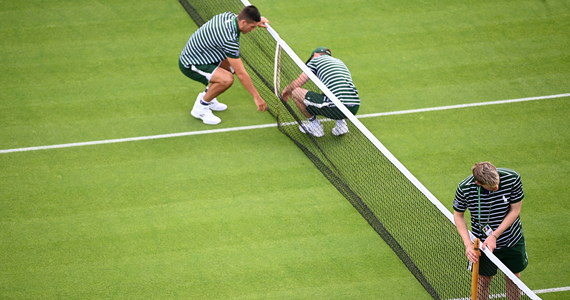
(223, 77)
(299, 94)
(228, 80)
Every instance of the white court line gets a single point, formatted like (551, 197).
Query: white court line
(139, 138)
(171, 135)
(543, 291)
(462, 106)
(552, 290)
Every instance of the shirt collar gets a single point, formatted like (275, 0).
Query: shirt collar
(237, 26)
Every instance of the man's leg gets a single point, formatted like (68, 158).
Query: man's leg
(312, 126)
(484, 282)
(219, 80)
(222, 79)
(299, 97)
(513, 292)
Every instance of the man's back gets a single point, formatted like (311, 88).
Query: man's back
(336, 76)
(213, 41)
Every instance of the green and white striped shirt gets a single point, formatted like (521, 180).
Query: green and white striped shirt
(488, 207)
(336, 77)
(213, 41)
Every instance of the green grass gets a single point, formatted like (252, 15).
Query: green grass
(535, 141)
(245, 215)
(422, 54)
(149, 220)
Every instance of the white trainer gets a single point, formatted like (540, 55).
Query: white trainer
(340, 128)
(204, 113)
(314, 128)
(215, 105)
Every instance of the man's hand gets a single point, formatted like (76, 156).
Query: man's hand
(263, 23)
(490, 242)
(285, 94)
(261, 104)
(471, 253)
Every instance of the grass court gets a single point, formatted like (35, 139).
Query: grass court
(244, 214)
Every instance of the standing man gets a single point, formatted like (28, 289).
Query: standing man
(211, 56)
(337, 78)
(494, 199)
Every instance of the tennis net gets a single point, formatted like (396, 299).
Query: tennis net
(401, 210)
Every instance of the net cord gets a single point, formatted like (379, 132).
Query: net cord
(387, 153)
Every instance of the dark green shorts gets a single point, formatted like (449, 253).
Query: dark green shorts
(200, 73)
(315, 107)
(514, 258)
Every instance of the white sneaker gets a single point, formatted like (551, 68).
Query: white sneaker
(340, 128)
(215, 105)
(314, 128)
(204, 113)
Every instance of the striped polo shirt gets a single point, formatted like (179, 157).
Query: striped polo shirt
(336, 77)
(488, 207)
(213, 41)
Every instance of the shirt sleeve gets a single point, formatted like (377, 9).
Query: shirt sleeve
(312, 66)
(459, 203)
(230, 44)
(517, 193)
(231, 49)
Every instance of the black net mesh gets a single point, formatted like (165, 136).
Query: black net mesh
(418, 232)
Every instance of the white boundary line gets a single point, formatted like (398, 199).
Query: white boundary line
(140, 138)
(543, 291)
(189, 133)
(553, 290)
(463, 105)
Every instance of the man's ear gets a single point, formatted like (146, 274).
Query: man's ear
(242, 23)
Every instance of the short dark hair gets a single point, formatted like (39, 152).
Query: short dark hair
(250, 14)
